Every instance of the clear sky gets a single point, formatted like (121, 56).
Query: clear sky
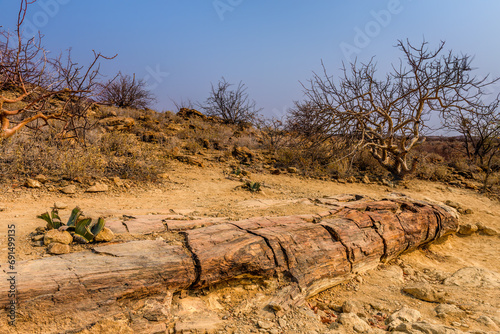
(180, 46)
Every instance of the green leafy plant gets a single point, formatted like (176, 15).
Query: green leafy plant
(252, 186)
(53, 220)
(84, 230)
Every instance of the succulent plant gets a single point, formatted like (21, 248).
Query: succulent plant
(53, 220)
(252, 186)
(83, 229)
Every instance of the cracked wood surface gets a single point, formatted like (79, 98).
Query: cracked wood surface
(314, 251)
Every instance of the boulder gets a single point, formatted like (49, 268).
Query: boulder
(404, 315)
(69, 189)
(351, 320)
(105, 235)
(467, 229)
(56, 236)
(30, 183)
(58, 249)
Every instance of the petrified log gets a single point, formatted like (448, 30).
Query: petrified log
(108, 273)
(314, 251)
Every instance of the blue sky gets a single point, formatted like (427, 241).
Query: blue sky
(179, 47)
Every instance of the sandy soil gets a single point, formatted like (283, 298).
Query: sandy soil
(207, 192)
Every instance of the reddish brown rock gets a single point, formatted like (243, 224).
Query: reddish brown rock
(364, 246)
(226, 251)
(306, 251)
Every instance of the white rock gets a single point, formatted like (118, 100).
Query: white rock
(474, 277)
(351, 320)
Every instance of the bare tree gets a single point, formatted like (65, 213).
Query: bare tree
(387, 116)
(274, 133)
(30, 83)
(125, 91)
(480, 129)
(233, 106)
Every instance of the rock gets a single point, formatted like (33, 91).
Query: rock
(487, 230)
(454, 205)
(55, 236)
(30, 183)
(118, 182)
(366, 179)
(405, 314)
(351, 306)
(106, 235)
(60, 205)
(425, 292)
(292, 170)
(189, 160)
(55, 248)
(351, 179)
(155, 311)
(265, 324)
(487, 321)
(424, 327)
(38, 237)
(444, 310)
(164, 176)
(243, 153)
(275, 171)
(187, 113)
(109, 326)
(467, 229)
(69, 189)
(474, 277)
(351, 320)
(117, 123)
(282, 322)
(209, 326)
(98, 187)
(41, 178)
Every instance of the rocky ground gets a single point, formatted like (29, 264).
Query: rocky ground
(449, 286)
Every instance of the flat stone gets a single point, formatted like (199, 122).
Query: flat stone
(425, 292)
(41, 178)
(116, 226)
(208, 326)
(98, 187)
(487, 230)
(60, 205)
(145, 225)
(474, 277)
(183, 225)
(69, 189)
